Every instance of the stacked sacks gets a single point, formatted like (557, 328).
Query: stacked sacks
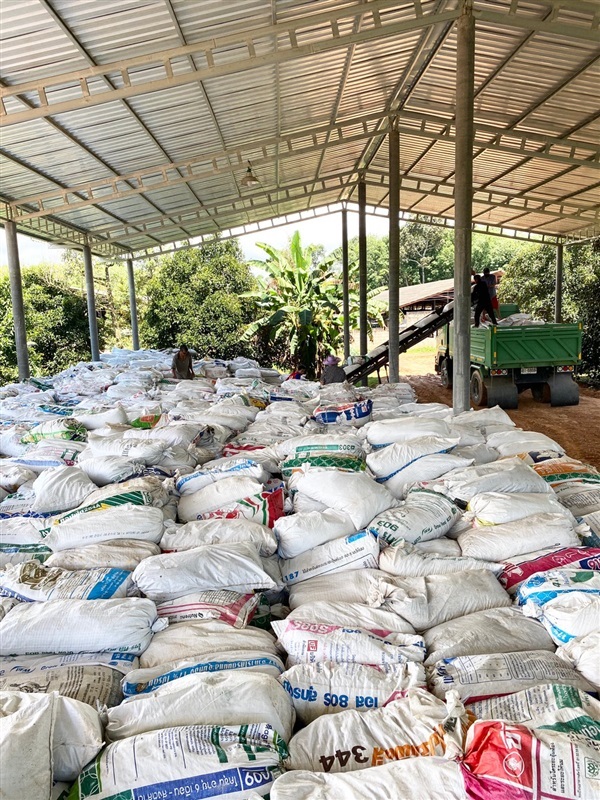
(398, 617)
(476, 643)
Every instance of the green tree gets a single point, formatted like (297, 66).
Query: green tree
(529, 281)
(194, 296)
(111, 291)
(299, 306)
(56, 321)
(377, 260)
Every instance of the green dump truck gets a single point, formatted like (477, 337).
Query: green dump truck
(506, 361)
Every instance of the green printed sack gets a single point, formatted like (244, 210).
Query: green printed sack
(233, 763)
(63, 428)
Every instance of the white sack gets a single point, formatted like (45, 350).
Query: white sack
(231, 607)
(243, 760)
(12, 476)
(510, 475)
(97, 418)
(358, 586)
(236, 567)
(103, 470)
(579, 498)
(429, 601)
(223, 698)
(219, 531)
(326, 444)
(92, 678)
(406, 560)
(357, 551)
(390, 431)
(79, 626)
(386, 462)
(148, 489)
(60, 489)
(118, 554)
(483, 417)
(499, 630)
(583, 653)
(419, 724)
(144, 681)
(414, 778)
(504, 541)
(490, 675)
(26, 747)
(216, 495)
(566, 601)
(298, 533)
(353, 493)
(309, 642)
(76, 731)
(348, 615)
(107, 524)
(195, 639)
(145, 452)
(31, 581)
(425, 515)
(328, 688)
(219, 470)
(511, 443)
(427, 468)
(493, 508)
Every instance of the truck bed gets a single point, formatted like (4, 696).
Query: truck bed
(525, 346)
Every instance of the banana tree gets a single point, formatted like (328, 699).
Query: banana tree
(299, 305)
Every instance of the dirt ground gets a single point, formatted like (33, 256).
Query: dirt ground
(576, 428)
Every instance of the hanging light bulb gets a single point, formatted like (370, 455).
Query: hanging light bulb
(249, 178)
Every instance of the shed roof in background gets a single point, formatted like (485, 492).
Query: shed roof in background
(128, 124)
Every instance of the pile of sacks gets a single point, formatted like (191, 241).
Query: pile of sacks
(234, 589)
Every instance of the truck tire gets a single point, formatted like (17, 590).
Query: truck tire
(446, 373)
(479, 394)
(563, 390)
(503, 393)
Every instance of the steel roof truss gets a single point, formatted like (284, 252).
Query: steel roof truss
(243, 51)
(562, 151)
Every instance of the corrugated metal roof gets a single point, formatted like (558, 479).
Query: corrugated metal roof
(134, 119)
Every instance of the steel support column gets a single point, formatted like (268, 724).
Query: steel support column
(559, 284)
(362, 268)
(91, 302)
(345, 284)
(16, 296)
(394, 255)
(133, 305)
(463, 200)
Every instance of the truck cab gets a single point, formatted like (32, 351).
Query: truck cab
(508, 360)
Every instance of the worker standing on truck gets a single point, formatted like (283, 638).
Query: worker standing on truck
(480, 298)
(181, 366)
(491, 282)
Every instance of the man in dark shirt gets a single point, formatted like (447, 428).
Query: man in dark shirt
(480, 298)
(181, 366)
(332, 372)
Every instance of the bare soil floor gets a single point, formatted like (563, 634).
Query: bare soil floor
(576, 428)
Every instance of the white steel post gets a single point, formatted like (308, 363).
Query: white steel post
(394, 255)
(16, 296)
(91, 302)
(463, 204)
(135, 336)
(345, 284)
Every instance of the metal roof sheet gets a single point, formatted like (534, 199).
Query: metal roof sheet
(133, 120)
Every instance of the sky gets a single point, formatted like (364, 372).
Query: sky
(322, 230)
